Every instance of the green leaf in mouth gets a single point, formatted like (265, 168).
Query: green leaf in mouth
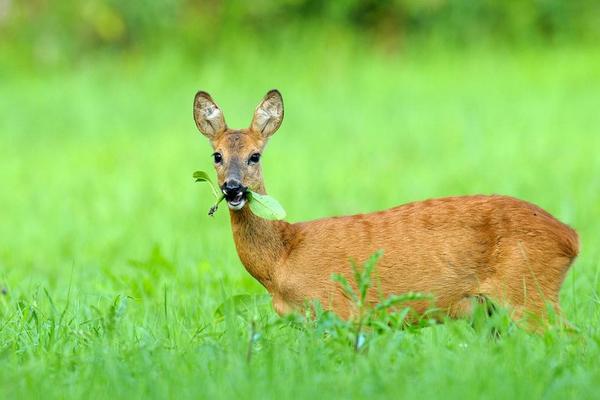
(201, 176)
(265, 206)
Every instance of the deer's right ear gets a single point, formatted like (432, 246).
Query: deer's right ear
(269, 114)
(208, 116)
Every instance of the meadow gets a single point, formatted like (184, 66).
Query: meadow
(116, 284)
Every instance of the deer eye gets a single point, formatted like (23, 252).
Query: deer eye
(218, 158)
(254, 158)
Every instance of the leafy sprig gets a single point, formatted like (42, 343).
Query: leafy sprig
(261, 205)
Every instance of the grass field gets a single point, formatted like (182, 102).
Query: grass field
(113, 277)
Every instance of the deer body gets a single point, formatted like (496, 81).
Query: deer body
(456, 248)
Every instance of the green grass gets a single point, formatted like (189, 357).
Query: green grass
(113, 272)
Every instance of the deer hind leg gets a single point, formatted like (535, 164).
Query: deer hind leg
(532, 317)
(532, 297)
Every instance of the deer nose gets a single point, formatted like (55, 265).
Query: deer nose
(232, 187)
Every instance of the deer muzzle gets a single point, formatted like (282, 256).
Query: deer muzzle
(235, 193)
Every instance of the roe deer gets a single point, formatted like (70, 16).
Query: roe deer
(455, 248)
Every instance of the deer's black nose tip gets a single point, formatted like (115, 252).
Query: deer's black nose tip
(232, 187)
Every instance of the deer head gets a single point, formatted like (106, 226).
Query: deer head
(237, 152)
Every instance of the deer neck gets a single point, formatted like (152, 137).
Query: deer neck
(261, 244)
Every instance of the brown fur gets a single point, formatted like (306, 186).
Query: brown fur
(456, 248)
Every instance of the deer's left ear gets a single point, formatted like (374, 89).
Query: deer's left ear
(268, 115)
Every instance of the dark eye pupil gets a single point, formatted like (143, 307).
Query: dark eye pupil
(255, 158)
(218, 157)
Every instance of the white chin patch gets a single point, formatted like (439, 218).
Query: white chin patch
(236, 206)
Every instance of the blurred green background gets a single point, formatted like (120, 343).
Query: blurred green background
(110, 270)
(57, 32)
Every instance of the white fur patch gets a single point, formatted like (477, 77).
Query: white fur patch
(238, 207)
(211, 112)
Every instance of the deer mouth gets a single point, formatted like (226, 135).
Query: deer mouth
(236, 201)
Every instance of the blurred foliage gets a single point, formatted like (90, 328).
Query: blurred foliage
(55, 30)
